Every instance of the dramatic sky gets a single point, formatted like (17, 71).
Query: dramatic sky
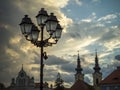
(88, 25)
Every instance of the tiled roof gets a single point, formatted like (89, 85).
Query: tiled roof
(81, 85)
(113, 78)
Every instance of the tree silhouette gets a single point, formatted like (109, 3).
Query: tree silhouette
(59, 83)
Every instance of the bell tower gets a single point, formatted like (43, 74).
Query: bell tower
(97, 75)
(79, 75)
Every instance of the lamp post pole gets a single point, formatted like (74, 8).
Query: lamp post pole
(41, 63)
(31, 33)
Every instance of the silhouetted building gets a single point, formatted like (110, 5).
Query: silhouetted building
(112, 81)
(2, 86)
(25, 82)
(80, 84)
(97, 75)
(79, 75)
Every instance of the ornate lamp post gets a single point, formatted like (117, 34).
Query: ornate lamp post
(31, 33)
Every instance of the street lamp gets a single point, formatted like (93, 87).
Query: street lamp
(31, 33)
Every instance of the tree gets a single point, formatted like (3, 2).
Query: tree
(59, 83)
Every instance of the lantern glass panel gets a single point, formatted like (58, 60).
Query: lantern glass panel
(35, 35)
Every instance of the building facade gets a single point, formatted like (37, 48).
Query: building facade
(112, 81)
(25, 82)
(80, 84)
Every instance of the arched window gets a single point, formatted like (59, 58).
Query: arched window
(97, 82)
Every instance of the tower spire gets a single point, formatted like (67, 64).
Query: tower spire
(96, 68)
(79, 68)
(79, 75)
(22, 67)
(97, 75)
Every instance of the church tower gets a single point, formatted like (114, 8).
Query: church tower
(79, 75)
(97, 75)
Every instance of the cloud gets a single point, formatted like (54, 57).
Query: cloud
(96, 0)
(53, 60)
(117, 57)
(86, 20)
(108, 17)
(78, 2)
(69, 67)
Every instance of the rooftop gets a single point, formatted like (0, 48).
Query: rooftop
(113, 78)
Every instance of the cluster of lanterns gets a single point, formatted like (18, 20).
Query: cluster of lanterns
(31, 31)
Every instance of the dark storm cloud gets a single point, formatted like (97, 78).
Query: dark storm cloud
(5, 61)
(53, 60)
(9, 20)
(69, 67)
(117, 57)
(9, 12)
(57, 64)
(50, 74)
(5, 35)
(68, 78)
(87, 70)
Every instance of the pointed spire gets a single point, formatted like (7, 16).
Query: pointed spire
(78, 56)
(96, 68)
(79, 68)
(96, 57)
(22, 67)
(78, 61)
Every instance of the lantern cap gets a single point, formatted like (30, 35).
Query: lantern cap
(34, 28)
(42, 12)
(59, 26)
(52, 17)
(26, 20)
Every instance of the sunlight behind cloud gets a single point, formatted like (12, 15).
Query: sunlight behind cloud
(12, 53)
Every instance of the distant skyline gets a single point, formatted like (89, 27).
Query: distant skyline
(88, 25)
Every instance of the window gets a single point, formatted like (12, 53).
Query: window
(97, 81)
